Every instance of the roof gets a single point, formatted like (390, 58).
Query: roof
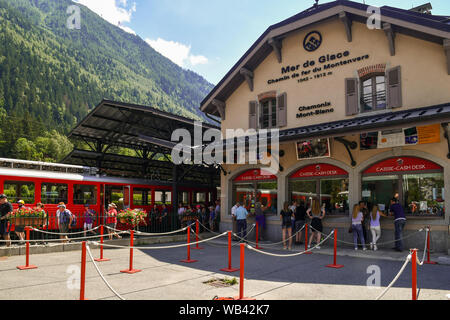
(372, 123)
(127, 125)
(423, 26)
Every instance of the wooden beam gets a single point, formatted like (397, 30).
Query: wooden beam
(347, 23)
(276, 45)
(248, 75)
(390, 34)
(220, 105)
(447, 53)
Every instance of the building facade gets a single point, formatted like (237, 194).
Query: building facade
(362, 102)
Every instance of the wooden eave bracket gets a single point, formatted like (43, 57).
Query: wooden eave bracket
(347, 23)
(248, 75)
(390, 34)
(447, 53)
(220, 105)
(276, 45)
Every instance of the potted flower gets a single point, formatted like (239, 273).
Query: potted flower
(131, 216)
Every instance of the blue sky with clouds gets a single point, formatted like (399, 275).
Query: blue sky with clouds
(209, 36)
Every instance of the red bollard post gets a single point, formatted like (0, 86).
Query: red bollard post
(257, 237)
(83, 270)
(229, 269)
(197, 229)
(27, 258)
(414, 273)
(131, 270)
(335, 265)
(306, 240)
(241, 280)
(428, 250)
(188, 260)
(101, 259)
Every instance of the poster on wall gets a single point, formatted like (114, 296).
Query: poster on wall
(400, 137)
(313, 148)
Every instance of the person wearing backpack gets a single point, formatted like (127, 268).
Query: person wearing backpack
(64, 218)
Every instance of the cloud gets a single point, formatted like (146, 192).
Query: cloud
(177, 52)
(116, 12)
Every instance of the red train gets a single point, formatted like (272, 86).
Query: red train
(50, 184)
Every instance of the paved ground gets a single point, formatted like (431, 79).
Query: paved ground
(164, 277)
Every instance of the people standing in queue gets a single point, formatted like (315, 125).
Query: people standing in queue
(397, 210)
(241, 222)
(375, 226)
(357, 219)
(300, 218)
(316, 214)
(164, 218)
(233, 218)
(286, 225)
(6, 210)
(64, 219)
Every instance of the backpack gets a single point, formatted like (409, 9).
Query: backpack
(74, 221)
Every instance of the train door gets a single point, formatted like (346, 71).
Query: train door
(119, 195)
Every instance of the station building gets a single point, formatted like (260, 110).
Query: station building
(363, 112)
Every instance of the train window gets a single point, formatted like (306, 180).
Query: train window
(83, 194)
(183, 197)
(163, 197)
(199, 197)
(142, 197)
(19, 190)
(53, 193)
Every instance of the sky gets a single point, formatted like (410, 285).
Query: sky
(210, 36)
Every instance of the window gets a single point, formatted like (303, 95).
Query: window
(163, 197)
(183, 197)
(334, 194)
(249, 194)
(373, 93)
(142, 197)
(199, 197)
(269, 114)
(53, 193)
(19, 190)
(423, 194)
(83, 194)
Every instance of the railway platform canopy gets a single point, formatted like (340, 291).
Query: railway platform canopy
(134, 141)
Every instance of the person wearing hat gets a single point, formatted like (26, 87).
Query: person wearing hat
(111, 221)
(88, 216)
(5, 210)
(64, 219)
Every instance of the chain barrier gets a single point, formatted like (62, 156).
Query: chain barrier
(64, 234)
(378, 243)
(408, 259)
(158, 248)
(100, 273)
(293, 254)
(226, 245)
(56, 240)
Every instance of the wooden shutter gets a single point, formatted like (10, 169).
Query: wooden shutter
(351, 96)
(394, 88)
(253, 115)
(282, 110)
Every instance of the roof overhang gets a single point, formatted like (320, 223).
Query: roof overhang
(409, 23)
